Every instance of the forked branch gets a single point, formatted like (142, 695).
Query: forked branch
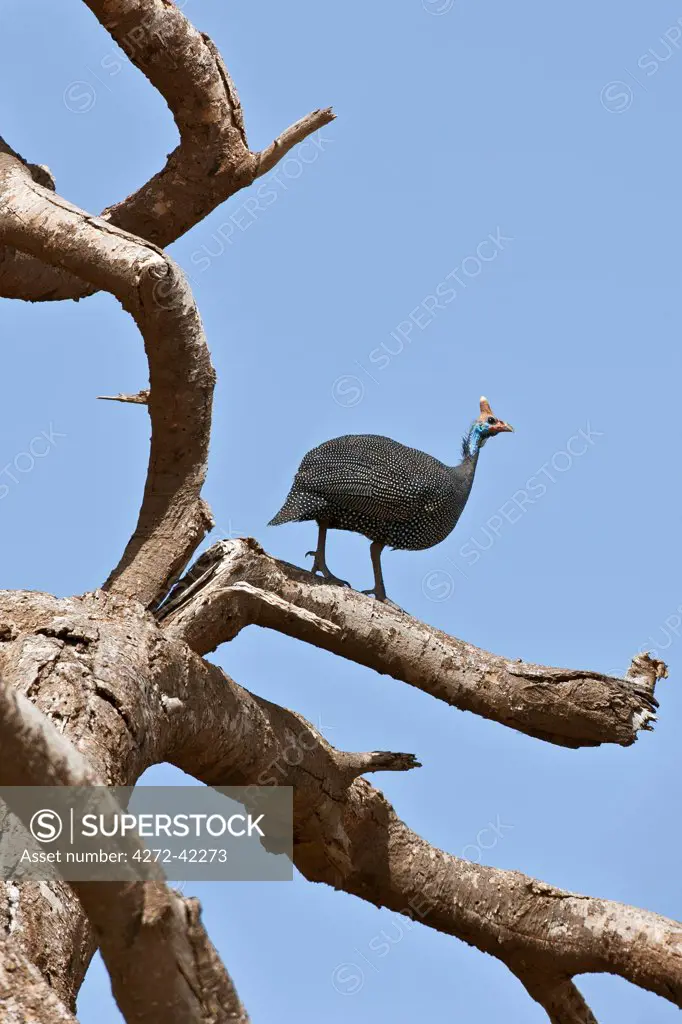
(348, 836)
(345, 832)
(236, 584)
(211, 162)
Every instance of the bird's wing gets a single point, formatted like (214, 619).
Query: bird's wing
(368, 475)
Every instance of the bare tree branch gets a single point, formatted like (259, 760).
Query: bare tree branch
(87, 665)
(348, 836)
(140, 398)
(173, 518)
(161, 963)
(277, 150)
(559, 997)
(345, 832)
(236, 584)
(211, 163)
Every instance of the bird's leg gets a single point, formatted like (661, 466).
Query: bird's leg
(320, 559)
(379, 590)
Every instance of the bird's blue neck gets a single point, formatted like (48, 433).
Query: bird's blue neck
(474, 441)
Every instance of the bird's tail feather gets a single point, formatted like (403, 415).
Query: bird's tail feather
(283, 516)
(298, 507)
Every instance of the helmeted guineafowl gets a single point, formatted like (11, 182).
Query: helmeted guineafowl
(391, 494)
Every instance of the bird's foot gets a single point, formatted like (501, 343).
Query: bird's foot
(379, 594)
(331, 578)
(324, 570)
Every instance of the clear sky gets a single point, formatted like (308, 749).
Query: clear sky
(456, 121)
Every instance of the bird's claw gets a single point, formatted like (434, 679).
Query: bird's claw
(329, 576)
(381, 596)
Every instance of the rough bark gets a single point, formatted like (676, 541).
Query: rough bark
(236, 584)
(128, 704)
(25, 995)
(161, 963)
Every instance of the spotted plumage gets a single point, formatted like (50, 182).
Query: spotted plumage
(395, 496)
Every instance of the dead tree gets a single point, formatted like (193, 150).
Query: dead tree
(102, 685)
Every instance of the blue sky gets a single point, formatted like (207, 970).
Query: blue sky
(554, 129)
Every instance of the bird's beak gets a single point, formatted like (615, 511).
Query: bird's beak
(501, 428)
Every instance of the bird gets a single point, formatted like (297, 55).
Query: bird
(396, 496)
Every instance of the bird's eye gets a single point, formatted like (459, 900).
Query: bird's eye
(491, 420)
